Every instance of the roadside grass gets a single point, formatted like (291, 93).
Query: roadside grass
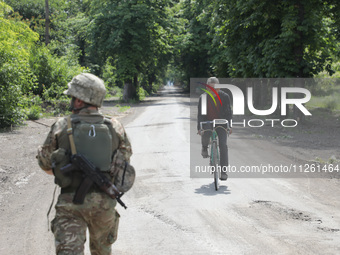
(123, 108)
(325, 96)
(331, 160)
(331, 102)
(114, 92)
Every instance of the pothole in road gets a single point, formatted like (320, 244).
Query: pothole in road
(329, 229)
(288, 212)
(163, 218)
(294, 214)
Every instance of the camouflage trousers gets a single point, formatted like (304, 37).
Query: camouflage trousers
(71, 221)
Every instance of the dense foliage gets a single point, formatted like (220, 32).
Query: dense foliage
(135, 45)
(134, 34)
(16, 77)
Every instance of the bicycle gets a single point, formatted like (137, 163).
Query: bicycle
(215, 150)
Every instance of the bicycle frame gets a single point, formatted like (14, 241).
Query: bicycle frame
(213, 139)
(214, 156)
(213, 130)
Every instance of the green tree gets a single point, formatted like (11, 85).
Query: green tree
(192, 40)
(27, 66)
(67, 28)
(47, 23)
(134, 34)
(52, 73)
(16, 78)
(32, 12)
(273, 38)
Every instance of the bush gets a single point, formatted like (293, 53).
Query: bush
(52, 73)
(10, 97)
(109, 73)
(331, 104)
(16, 40)
(34, 112)
(26, 68)
(56, 106)
(142, 93)
(31, 105)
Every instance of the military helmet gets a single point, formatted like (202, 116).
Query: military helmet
(88, 88)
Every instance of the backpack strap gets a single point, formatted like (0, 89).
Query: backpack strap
(70, 136)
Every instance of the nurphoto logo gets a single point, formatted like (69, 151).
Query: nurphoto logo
(204, 101)
(263, 128)
(239, 103)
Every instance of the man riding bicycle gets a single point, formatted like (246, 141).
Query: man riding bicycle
(219, 110)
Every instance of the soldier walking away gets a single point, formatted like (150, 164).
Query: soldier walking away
(82, 204)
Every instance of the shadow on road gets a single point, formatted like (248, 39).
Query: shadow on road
(209, 190)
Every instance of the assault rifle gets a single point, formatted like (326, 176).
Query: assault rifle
(92, 175)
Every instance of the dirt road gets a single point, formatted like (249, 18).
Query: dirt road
(169, 212)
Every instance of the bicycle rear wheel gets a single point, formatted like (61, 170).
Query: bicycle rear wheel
(214, 162)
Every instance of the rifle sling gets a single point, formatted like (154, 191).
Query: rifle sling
(70, 136)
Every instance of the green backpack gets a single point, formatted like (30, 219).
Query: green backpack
(94, 138)
(94, 141)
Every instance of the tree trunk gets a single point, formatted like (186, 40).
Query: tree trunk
(134, 88)
(47, 23)
(298, 46)
(127, 94)
(130, 89)
(151, 79)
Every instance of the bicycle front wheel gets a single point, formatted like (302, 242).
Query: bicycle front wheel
(214, 162)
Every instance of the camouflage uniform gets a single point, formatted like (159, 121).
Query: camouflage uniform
(71, 221)
(97, 213)
(51, 142)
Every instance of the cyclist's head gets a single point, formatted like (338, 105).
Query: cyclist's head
(212, 81)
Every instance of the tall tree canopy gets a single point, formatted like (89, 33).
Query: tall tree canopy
(259, 38)
(137, 43)
(134, 34)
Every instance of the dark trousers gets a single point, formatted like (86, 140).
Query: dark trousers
(222, 140)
